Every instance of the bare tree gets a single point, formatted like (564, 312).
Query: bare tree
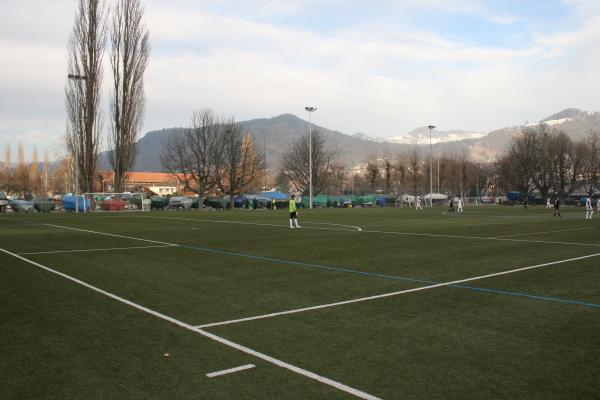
(523, 153)
(296, 163)
(387, 168)
(567, 161)
(541, 174)
(46, 170)
(338, 176)
(21, 174)
(7, 170)
(372, 174)
(86, 50)
(194, 157)
(34, 173)
(130, 53)
(241, 165)
(591, 162)
(414, 170)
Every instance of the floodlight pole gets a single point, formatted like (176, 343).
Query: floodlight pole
(431, 128)
(310, 168)
(76, 166)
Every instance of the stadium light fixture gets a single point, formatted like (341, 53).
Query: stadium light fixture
(310, 110)
(431, 128)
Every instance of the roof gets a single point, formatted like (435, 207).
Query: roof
(144, 177)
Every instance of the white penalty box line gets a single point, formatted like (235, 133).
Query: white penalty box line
(443, 284)
(98, 249)
(219, 339)
(381, 296)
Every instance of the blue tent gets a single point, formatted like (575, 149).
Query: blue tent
(274, 195)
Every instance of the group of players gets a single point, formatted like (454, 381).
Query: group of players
(589, 209)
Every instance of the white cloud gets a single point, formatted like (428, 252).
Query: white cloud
(381, 80)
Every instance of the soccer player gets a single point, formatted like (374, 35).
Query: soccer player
(589, 210)
(418, 203)
(598, 205)
(548, 203)
(451, 209)
(460, 205)
(556, 208)
(293, 213)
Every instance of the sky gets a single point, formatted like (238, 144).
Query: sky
(382, 68)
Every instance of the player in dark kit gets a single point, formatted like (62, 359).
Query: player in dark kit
(557, 208)
(451, 209)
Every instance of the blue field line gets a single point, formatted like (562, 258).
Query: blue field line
(391, 277)
(527, 295)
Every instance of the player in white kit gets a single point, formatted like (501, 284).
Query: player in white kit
(589, 210)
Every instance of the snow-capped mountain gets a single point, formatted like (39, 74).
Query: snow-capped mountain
(421, 136)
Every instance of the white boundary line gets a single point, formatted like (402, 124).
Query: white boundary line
(358, 229)
(263, 223)
(111, 234)
(231, 370)
(264, 357)
(540, 233)
(364, 231)
(109, 249)
(380, 296)
(505, 239)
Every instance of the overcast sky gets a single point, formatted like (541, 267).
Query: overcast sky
(381, 68)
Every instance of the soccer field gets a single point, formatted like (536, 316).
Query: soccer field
(498, 303)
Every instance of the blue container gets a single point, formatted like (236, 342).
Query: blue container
(71, 203)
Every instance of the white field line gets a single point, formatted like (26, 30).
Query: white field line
(365, 231)
(262, 356)
(505, 239)
(541, 233)
(111, 234)
(358, 229)
(230, 370)
(264, 223)
(380, 296)
(108, 249)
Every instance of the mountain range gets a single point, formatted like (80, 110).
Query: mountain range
(274, 136)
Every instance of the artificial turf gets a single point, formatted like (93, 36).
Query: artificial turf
(528, 334)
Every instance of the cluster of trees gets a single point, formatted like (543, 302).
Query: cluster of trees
(402, 173)
(540, 159)
(213, 154)
(129, 56)
(547, 160)
(35, 178)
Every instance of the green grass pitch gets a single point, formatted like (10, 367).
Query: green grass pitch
(452, 328)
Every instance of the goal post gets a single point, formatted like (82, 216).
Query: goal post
(117, 202)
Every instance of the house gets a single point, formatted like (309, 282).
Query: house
(154, 183)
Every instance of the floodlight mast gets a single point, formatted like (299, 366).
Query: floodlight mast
(431, 128)
(310, 110)
(76, 166)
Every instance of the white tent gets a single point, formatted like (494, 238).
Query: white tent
(436, 196)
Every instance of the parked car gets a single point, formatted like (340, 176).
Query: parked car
(3, 202)
(22, 205)
(180, 202)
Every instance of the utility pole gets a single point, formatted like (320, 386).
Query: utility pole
(431, 128)
(310, 189)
